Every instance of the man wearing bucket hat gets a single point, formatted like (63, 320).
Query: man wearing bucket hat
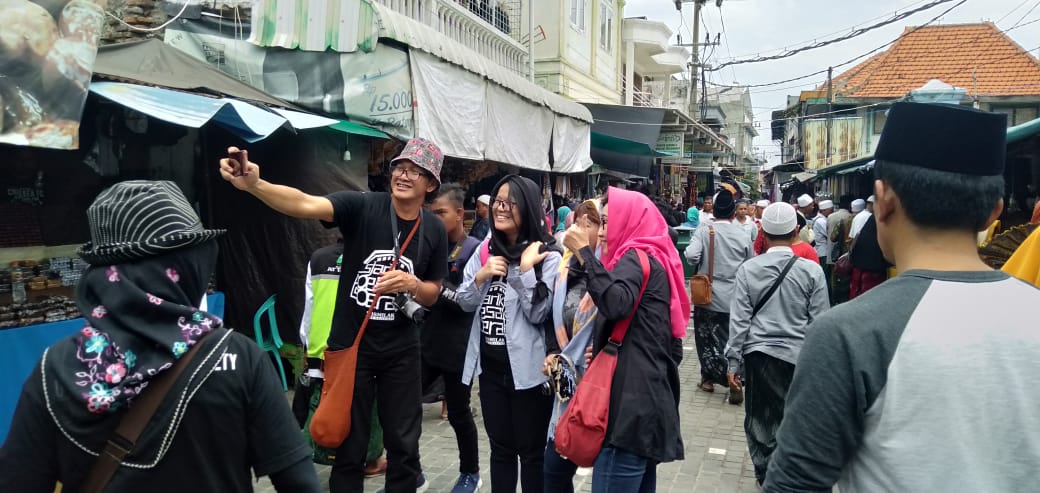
(777, 295)
(381, 230)
(885, 397)
(150, 262)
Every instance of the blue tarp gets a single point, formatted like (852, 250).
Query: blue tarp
(250, 122)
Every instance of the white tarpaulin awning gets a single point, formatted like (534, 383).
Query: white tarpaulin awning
(450, 106)
(415, 34)
(520, 118)
(509, 116)
(250, 122)
(572, 143)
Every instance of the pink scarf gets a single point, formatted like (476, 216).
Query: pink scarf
(636, 223)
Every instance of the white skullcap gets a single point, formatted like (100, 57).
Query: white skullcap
(805, 200)
(779, 219)
(484, 199)
(870, 199)
(826, 204)
(762, 203)
(858, 205)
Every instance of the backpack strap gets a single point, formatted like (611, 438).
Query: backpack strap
(485, 252)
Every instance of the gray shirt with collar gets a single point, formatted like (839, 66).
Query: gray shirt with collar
(733, 245)
(779, 327)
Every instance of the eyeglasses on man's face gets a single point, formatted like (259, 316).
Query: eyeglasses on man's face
(410, 173)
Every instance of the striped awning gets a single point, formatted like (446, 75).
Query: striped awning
(314, 25)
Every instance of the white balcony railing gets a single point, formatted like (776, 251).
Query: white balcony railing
(491, 28)
(644, 98)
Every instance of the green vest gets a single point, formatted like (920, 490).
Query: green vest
(324, 285)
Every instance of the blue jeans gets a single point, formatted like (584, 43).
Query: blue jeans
(618, 471)
(559, 472)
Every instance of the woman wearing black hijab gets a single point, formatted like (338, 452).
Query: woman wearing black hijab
(224, 419)
(509, 284)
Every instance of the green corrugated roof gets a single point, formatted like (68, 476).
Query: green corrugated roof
(358, 129)
(625, 146)
(1023, 131)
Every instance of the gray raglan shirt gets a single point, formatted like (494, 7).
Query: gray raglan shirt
(925, 383)
(779, 328)
(733, 245)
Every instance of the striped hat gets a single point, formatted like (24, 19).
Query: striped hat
(137, 219)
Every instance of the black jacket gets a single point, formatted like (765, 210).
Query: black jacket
(644, 400)
(866, 252)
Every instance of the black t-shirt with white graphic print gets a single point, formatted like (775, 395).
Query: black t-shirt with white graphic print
(494, 357)
(236, 424)
(368, 251)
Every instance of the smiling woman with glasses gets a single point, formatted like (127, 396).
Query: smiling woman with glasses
(509, 286)
(508, 205)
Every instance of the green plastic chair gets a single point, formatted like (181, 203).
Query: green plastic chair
(274, 343)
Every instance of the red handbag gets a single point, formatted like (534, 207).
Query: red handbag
(583, 427)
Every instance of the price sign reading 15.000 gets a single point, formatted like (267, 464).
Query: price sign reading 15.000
(391, 102)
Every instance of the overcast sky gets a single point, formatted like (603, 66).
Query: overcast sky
(765, 27)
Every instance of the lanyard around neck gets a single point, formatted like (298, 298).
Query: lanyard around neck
(419, 224)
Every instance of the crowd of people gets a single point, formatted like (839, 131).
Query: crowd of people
(869, 394)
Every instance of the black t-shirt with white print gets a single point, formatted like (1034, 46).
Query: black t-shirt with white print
(494, 357)
(368, 251)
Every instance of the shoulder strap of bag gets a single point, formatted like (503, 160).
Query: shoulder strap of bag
(621, 328)
(776, 284)
(123, 440)
(397, 258)
(711, 252)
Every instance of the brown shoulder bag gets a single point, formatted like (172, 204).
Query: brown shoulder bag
(700, 284)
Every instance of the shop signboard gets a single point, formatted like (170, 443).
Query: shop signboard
(47, 54)
(672, 143)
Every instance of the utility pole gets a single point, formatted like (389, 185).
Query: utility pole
(830, 110)
(695, 65)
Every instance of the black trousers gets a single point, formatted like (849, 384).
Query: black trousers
(393, 380)
(517, 423)
(767, 380)
(457, 398)
(710, 334)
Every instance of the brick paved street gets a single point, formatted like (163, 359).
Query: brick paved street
(713, 433)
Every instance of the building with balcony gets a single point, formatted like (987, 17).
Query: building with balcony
(679, 156)
(832, 141)
(577, 49)
(455, 72)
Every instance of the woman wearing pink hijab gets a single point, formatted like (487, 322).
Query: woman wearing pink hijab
(643, 428)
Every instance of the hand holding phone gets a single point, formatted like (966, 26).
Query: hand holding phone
(238, 158)
(237, 170)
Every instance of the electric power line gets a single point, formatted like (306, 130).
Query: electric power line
(726, 37)
(813, 40)
(853, 34)
(857, 58)
(1020, 19)
(1012, 11)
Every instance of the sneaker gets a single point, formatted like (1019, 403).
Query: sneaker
(420, 485)
(467, 483)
